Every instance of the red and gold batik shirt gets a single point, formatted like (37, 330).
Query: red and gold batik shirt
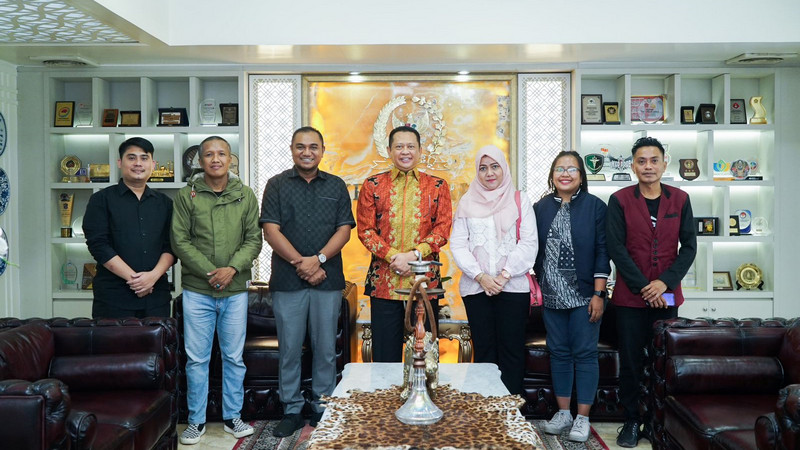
(399, 212)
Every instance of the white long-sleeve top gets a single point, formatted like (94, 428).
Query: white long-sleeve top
(476, 249)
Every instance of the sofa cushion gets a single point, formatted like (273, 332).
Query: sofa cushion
(734, 440)
(723, 374)
(25, 352)
(113, 437)
(694, 419)
(101, 372)
(724, 341)
(146, 413)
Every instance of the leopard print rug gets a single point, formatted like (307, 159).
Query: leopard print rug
(366, 420)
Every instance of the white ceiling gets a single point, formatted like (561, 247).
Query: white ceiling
(367, 35)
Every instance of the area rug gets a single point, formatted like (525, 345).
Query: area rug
(262, 439)
(560, 442)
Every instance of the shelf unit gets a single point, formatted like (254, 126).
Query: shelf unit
(708, 143)
(95, 144)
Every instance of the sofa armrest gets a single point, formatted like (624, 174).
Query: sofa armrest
(34, 413)
(82, 429)
(781, 430)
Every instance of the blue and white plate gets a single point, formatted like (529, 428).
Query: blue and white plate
(4, 251)
(5, 191)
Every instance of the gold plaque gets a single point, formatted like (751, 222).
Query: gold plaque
(749, 276)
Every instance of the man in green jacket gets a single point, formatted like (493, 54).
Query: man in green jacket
(216, 236)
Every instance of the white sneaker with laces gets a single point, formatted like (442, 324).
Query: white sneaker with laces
(559, 423)
(580, 429)
(191, 435)
(237, 428)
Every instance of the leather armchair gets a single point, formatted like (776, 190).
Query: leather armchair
(88, 383)
(711, 383)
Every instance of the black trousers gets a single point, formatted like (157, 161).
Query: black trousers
(103, 310)
(498, 324)
(635, 332)
(388, 321)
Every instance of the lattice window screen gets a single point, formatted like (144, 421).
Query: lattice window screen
(544, 127)
(274, 115)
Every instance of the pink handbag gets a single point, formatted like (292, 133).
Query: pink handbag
(536, 291)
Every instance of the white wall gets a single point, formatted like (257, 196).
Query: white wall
(9, 221)
(787, 167)
(459, 22)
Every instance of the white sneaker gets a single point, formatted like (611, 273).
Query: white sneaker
(237, 428)
(191, 435)
(559, 423)
(580, 429)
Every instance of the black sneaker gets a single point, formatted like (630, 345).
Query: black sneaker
(288, 425)
(629, 436)
(315, 418)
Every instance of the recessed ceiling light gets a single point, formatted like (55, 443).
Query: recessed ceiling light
(463, 72)
(760, 58)
(355, 73)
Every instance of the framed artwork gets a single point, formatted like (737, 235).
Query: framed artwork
(454, 115)
(722, 281)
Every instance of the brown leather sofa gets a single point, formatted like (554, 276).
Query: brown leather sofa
(710, 381)
(538, 383)
(261, 399)
(88, 384)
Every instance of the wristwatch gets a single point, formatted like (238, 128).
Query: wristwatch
(504, 273)
(601, 294)
(417, 254)
(321, 257)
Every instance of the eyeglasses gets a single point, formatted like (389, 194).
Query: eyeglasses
(570, 170)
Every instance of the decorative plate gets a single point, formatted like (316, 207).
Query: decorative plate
(749, 276)
(190, 161)
(5, 191)
(4, 251)
(3, 134)
(234, 167)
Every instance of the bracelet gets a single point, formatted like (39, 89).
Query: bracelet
(479, 278)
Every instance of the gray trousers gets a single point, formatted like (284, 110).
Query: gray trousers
(318, 311)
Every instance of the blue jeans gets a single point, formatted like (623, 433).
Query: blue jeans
(201, 315)
(572, 342)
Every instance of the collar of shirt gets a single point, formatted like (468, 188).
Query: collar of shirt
(574, 196)
(123, 189)
(397, 172)
(320, 174)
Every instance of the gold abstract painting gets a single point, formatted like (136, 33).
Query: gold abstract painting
(455, 117)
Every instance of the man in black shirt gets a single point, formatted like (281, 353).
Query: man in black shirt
(307, 216)
(127, 232)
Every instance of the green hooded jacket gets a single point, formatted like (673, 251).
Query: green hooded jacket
(209, 232)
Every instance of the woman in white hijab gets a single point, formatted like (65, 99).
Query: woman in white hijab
(494, 263)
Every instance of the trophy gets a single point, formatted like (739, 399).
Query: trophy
(208, 112)
(594, 162)
(740, 169)
(70, 165)
(689, 169)
(759, 114)
(745, 221)
(69, 275)
(667, 176)
(621, 164)
(754, 170)
(760, 226)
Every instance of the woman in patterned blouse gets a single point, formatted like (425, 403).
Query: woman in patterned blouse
(572, 269)
(484, 243)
